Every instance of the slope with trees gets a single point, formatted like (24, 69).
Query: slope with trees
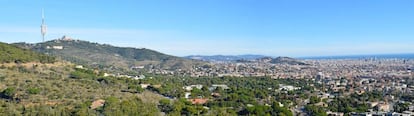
(104, 55)
(13, 54)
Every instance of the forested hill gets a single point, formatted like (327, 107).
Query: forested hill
(11, 53)
(89, 53)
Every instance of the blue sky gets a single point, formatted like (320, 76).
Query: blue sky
(208, 27)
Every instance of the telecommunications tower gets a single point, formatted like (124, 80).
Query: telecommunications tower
(43, 27)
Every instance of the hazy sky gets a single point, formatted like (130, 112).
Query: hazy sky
(207, 27)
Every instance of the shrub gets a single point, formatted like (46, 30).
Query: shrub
(9, 92)
(33, 90)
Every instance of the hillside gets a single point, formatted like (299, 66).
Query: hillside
(35, 84)
(104, 55)
(287, 60)
(11, 53)
(53, 89)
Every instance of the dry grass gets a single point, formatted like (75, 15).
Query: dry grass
(150, 97)
(56, 88)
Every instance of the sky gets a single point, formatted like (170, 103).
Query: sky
(294, 28)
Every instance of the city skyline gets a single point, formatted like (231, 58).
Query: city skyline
(274, 28)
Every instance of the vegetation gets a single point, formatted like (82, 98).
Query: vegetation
(400, 107)
(105, 56)
(33, 90)
(60, 89)
(14, 54)
(315, 111)
(347, 105)
(8, 93)
(244, 96)
(35, 84)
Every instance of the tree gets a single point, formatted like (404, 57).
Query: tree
(315, 111)
(139, 89)
(280, 110)
(219, 111)
(9, 92)
(198, 92)
(400, 107)
(177, 108)
(190, 110)
(129, 107)
(165, 105)
(314, 100)
(259, 110)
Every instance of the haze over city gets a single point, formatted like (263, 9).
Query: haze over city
(184, 27)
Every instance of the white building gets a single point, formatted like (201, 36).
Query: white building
(189, 88)
(57, 47)
(288, 87)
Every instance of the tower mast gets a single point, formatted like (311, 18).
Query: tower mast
(43, 27)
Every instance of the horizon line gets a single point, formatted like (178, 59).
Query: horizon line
(265, 55)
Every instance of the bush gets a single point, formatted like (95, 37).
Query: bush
(33, 90)
(8, 93)
(82, 73)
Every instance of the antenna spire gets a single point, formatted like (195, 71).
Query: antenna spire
(43, 15)
(43, 27)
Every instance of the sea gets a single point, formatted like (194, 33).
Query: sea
(377, 56)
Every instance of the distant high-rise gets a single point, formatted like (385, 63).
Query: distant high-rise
(43, 27)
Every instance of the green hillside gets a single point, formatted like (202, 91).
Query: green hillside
(11, 53)
(287, 60)
(103, 55)
(60, 89)
(32, 83)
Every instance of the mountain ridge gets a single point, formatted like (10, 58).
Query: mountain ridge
(11, 53)
(248, 58)
(105, 55)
